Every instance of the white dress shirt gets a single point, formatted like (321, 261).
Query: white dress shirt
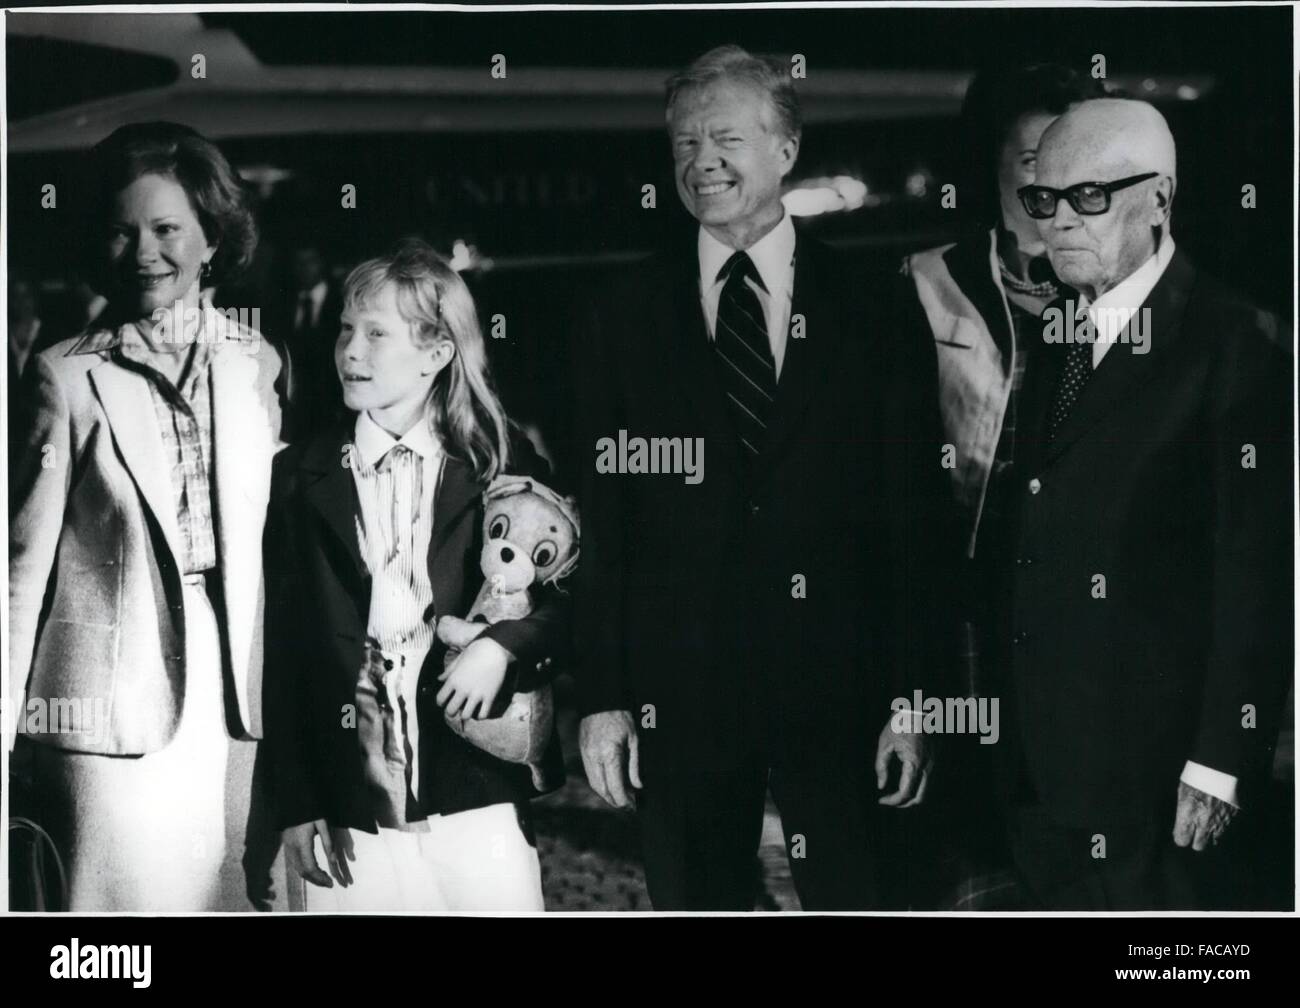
(1110, 313)
(773, 257)
(394, 528)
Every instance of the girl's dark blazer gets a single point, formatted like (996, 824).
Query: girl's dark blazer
(317, 604)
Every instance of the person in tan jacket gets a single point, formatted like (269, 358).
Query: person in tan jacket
(137, 507)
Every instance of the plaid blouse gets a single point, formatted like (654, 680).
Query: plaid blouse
(185, 420)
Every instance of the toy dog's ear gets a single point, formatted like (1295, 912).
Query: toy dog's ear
(568, 508)
(567, 568)
(507, 486)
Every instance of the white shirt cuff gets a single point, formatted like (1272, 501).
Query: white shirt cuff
(917, 726)
(1213, 782)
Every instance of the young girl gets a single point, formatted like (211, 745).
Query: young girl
(374, 532)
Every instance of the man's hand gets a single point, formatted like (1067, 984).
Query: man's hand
(1201, 818)
(472, 681)
(606, 740)
(914, 752)
(300, 857)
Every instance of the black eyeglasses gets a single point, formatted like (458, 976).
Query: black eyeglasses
(1090, 198)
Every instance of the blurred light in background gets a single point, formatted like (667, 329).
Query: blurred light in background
(264, 177)
(826, 195)
(465, 256)
(919, 181)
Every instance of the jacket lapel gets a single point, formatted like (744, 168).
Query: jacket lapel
(692, 358)
(1121, 369)
(243, 443)
(973, 266)
(244, 440)
(458, 490)
(129, 407)
(331, 491)
(806, 357)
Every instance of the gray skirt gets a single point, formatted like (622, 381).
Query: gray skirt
(162, 832)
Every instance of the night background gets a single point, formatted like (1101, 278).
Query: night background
(533, 183)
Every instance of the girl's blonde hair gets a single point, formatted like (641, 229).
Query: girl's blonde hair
(463, 407)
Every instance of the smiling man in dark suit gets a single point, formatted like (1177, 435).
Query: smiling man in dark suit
(748, 629)
(1151, 612)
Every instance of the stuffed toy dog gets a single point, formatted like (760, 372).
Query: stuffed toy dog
(530, 536)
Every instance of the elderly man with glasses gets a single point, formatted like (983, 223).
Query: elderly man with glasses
(1150, 616)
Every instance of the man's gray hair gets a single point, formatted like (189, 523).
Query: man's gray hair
(768, 74)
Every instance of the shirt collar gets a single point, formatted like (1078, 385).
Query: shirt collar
(772, 255)
(131, 345)
(1131, 293)
(216, 331)
(372, 442)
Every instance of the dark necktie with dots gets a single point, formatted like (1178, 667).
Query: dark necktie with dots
(745, 363)
(1074, 377)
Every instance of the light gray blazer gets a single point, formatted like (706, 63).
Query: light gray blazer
(95, 610)
(974, 375)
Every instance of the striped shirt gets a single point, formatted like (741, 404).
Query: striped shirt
(184, 416)
(396, 479)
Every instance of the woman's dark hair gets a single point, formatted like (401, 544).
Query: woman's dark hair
(995, 100)
(218, 196)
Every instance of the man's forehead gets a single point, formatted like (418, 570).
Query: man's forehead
(1105, 139)
(722, 99)
(1068, 159)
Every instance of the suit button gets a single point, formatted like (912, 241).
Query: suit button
(1025, 562)
(539, 666)
(753, 508)
(1035, 485)
(1019, 637)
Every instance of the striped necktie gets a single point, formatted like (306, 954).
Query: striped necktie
(746, 365)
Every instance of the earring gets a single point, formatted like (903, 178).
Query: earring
(205, 271)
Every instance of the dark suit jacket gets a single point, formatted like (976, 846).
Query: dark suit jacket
(309, 354)
(1145, 485)
(687, 611)
(318, 604)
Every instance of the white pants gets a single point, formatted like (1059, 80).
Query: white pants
(475, 860)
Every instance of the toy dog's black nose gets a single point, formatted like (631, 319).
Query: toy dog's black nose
(507, 554)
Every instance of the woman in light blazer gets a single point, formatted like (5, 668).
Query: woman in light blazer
(137, 506)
